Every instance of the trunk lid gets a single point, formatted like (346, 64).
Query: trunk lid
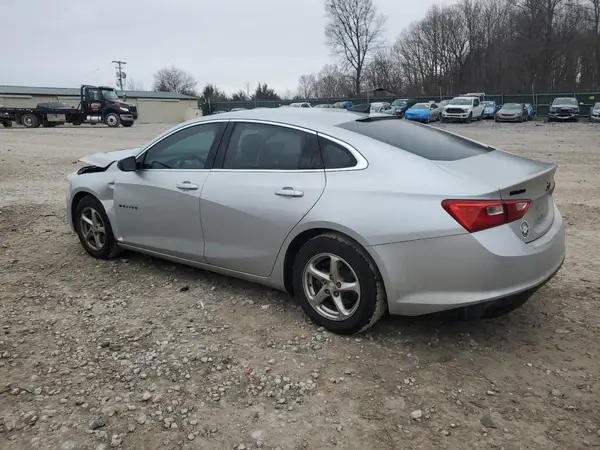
(105, 159)
(515, 178)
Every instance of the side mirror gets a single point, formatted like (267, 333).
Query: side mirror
(128, 164)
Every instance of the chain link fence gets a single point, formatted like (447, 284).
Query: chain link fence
(541, 102)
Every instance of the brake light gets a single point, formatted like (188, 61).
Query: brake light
(478, 215)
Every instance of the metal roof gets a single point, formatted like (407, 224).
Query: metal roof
(74, 92)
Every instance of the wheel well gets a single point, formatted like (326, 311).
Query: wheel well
(78, 197)
(295, 246)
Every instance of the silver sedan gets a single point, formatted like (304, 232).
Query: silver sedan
(353, 213)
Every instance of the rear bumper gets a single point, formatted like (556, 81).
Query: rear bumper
(432, 275)
(508, 119)
(594, 118)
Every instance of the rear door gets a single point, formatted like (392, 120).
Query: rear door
(267, 177)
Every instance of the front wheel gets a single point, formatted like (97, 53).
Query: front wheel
(94, 230)
(30, 121)
(338, 285)
(127, 123)
(8, 123)
(470, 118)
(112, 120)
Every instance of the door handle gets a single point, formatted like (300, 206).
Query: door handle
(288, 191)
(187, 186)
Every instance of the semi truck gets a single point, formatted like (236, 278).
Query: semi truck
(97, 104)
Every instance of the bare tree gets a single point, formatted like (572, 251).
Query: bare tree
(174, 79)
(133, 84)
(306, 86)
(354, 29)
(332, 83)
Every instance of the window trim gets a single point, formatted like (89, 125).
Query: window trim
(222, 150)
(361, 162)
(211, 155)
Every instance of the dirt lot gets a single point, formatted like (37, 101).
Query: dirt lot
(139, 353)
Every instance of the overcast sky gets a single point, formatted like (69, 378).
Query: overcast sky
(66, 43)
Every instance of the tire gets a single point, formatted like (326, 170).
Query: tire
(470, 118)
(9, 124)
(91, 208)
(442, 120)
(353, 263)
(549, 120)
(30, 121)
(127, 124)
(112, 120)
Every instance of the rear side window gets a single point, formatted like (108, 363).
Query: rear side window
(335, 156)
(426, 142)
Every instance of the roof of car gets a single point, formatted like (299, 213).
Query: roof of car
(311, 118)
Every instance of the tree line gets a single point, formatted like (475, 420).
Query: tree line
(512, 46)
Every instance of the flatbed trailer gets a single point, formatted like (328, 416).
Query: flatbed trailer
(98, 105)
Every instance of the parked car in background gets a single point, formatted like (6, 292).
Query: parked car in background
(353, 215)
(512, 112)
(301, 105)
(462, 109)
(530, 111)
(238, 109)
(381, 107)
(564, 108)
(489, 109)
(442, 105)
(423, 112)
(400, 105)
(323, 105)
(595, 112)
(343, 105)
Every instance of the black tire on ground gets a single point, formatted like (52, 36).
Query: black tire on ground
(112, 120)
(372, 304)
(8, 123)
(548, 120)
(470, 118)
(575, 119)
(30, 121)
(106, 246)
(442, 120)
(127, 123)
(47, 124)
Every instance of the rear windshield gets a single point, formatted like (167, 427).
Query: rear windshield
(426, 142)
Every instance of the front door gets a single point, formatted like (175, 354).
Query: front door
(269, 179)
(94, 101)
(158, 206)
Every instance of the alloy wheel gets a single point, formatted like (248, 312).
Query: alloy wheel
(93, 229)
(331, 286)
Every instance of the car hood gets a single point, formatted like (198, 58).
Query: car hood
(418, 112)
(106, 159)
(465, 107)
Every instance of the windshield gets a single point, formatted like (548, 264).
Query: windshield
(460, 101)
(109, 94)
(512, 106)
(487, 103)
(443, 102)
(597, 105)
(420, 106)
(565, 101)
(399, 102)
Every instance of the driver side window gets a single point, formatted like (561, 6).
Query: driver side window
(185, 149)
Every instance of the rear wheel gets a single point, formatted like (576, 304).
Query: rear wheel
(30, 121)
(112, 120)
(338, 285)
(94, 230)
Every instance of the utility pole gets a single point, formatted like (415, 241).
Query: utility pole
(120, 74)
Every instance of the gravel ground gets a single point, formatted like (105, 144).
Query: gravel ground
(139, 353)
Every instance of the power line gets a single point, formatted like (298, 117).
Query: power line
(120, 74)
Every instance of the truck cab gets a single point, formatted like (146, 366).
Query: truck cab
(101, 104)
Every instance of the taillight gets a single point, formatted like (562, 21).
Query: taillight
(478, 215)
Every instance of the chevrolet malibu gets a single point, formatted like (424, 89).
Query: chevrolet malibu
(354, 214)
